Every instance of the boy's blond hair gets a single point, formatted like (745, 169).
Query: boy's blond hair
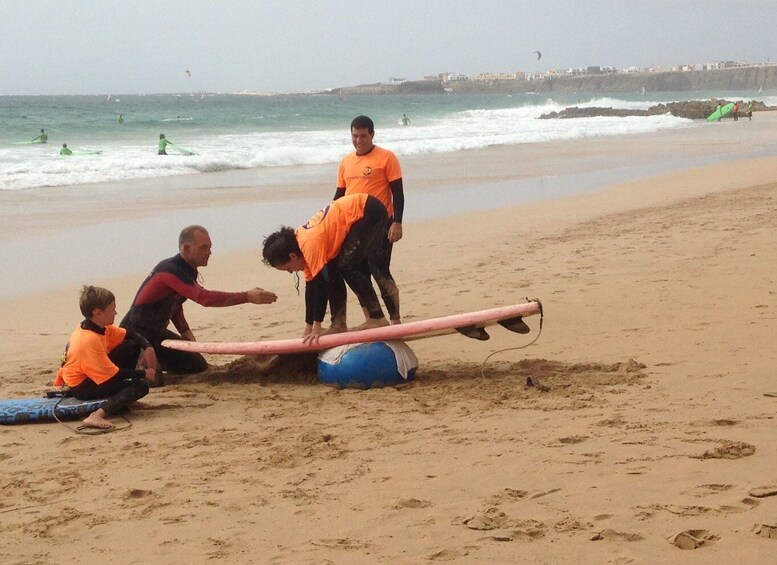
(94, 297)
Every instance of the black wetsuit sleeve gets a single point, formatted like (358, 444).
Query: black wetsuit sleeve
(339, 192)
(315, 299)
(398, 196)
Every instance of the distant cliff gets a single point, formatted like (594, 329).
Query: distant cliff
(745, 78)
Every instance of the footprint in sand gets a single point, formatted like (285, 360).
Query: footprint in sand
(572, 439)
(766, 530)
(610, 534)
(692, 539)
(728, 450)
(341, 543)
(491, 519)
(725, 422)
(504, 528)
(762, 492)
(508, 494)
(711, 488)
(449, 554)
(138, 493)
(411, 503)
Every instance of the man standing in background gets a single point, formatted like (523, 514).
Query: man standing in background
(376, 171)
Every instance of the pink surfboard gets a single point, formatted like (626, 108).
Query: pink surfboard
(471, 325)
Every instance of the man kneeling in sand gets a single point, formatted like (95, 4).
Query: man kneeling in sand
(104, 361)
(160, 299)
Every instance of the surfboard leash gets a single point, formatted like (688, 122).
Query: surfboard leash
(89, 431)
(539, 333)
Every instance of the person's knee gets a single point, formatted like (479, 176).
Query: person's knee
(140, 388)
(199, 365)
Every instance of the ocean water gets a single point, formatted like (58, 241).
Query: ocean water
(230, 131)
(287, 145)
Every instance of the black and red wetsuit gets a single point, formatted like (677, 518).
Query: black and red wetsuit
(159, 301)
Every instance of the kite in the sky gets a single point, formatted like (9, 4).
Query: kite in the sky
(539, 55)
(188, 73)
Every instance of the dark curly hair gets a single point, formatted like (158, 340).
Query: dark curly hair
(277, 247)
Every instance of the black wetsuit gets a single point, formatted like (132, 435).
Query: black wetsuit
(363, 245)
(383, 249)
(160, 300)
(127, 385)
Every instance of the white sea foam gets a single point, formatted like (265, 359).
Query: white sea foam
(25, 166)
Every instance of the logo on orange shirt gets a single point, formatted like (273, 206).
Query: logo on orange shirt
(367, 171)
(317, 218)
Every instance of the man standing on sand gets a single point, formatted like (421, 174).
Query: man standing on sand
(375, 171)
(160, 299)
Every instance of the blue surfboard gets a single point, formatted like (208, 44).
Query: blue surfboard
(42, 409)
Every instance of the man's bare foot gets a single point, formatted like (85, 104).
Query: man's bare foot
(335, 329)
(395, 322)
(372, 323)
(95, 420)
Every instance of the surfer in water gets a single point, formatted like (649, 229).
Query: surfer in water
(42, 137)
(375, 171)
(163, 143)
(65, 150)
(330, 249)
(105, 361)
(160, 299)
(405, 120)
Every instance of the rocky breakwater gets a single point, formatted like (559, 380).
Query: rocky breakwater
(690, 109)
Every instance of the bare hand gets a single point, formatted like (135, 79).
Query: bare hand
(312, 333)
(150, 376)
(149, 361)
(261, 296)
(395, 232)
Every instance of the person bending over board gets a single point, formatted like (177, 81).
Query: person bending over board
(105, 361)
(373, 170)
(329, 250)
(161, 296)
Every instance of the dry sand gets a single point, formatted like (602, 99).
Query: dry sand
(660, 304)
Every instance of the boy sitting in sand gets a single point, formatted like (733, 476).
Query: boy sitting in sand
(105, 361)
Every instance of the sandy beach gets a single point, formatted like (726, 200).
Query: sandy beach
(650, 446)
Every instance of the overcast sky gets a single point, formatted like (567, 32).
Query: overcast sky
(142, 46)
